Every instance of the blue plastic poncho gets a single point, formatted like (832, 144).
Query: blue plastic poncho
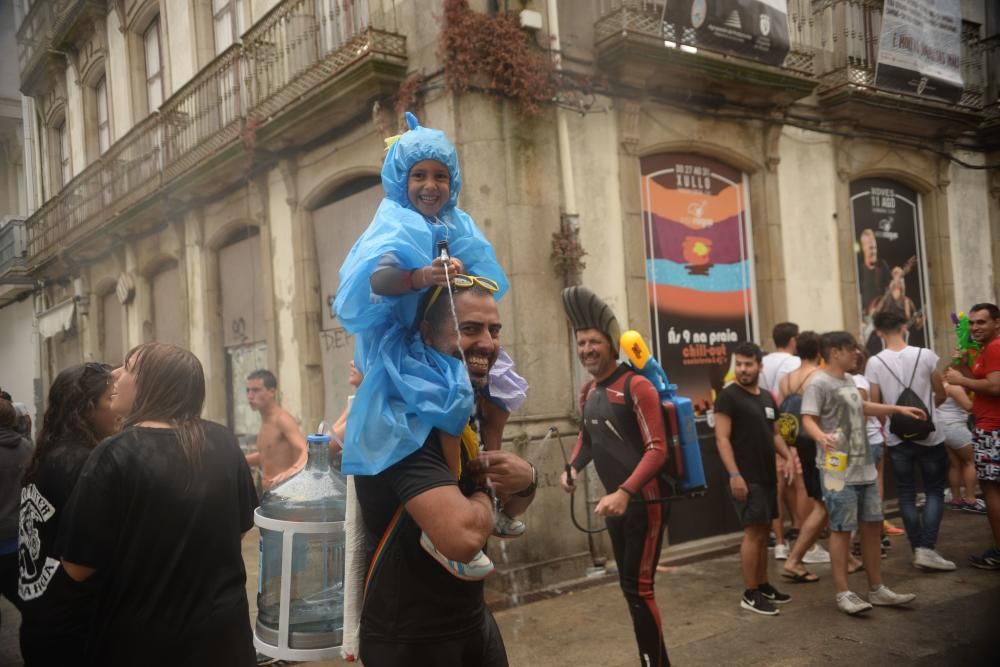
(409, 388)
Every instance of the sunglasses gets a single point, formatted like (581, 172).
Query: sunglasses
(462, 281)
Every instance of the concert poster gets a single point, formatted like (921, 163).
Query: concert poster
(889, 258)
(699, 269)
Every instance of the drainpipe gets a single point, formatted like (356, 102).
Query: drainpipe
(569, 222)
(569, 225)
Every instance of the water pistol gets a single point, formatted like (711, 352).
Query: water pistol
(684, 461)
(969, 348)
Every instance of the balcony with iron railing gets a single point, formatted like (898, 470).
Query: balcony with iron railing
(42, 32)
(847, 37)
(302, 69)
(13, 251)
(639, 42)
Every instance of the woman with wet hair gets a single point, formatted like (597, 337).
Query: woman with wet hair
(156, 522)
(56, 610)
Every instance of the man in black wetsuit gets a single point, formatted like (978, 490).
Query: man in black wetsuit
(415, 611)
(623, 433)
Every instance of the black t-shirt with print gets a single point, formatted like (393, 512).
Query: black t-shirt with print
(411, 598)
(165, 540)
(55, 610)
(752, 433)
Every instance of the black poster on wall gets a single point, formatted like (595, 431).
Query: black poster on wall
(890, 262)
(755, 29)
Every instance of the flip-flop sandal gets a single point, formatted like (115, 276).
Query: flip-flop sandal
(806, 577)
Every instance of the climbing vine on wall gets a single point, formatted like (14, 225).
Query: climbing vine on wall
(492, 54)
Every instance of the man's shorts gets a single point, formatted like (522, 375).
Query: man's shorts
(852, 503)
(761, 505)
(956, 434)
(810, 474)
(986, 452)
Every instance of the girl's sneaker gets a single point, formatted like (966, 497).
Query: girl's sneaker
(507, 527)
(957, 504)
(476, 569)
(977, 507)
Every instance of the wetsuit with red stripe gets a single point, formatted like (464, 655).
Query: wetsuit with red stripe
(626, 441)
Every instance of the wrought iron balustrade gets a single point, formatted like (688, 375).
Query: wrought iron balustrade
(848, 33)
(12, 245)
(34, 35)
(645, 19)
(296, 47)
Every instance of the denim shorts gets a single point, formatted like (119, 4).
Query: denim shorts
(852, 503)
(877, 449)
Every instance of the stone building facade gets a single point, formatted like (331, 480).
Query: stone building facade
(200, 168)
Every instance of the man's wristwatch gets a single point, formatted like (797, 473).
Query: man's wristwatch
(734, 475)
(526, 493)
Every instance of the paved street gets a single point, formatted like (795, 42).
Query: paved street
(953, 621)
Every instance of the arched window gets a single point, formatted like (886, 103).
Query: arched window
(103, 117)
(154, 66)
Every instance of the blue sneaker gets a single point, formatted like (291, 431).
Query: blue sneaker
(476, 569)
(990, 560)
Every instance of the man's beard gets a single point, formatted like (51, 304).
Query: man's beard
(747, 381)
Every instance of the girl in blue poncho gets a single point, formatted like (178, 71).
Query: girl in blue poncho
(410, 388)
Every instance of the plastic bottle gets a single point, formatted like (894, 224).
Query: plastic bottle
(317, 493)
(835, 466)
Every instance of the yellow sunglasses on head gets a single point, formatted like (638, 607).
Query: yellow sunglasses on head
(463, 281)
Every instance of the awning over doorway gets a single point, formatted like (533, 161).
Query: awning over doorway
(57, 318)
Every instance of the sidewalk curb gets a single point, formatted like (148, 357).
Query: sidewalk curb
(673, 556)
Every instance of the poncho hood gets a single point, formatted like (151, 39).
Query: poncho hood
(416, 145)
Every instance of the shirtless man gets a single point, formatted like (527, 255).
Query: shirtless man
(281, 449)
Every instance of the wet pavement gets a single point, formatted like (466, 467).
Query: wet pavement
(952, 622)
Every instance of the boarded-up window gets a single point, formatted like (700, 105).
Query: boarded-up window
(111, 330)
(336, 227)
(244, 335)
(168, 311)
(241, 278)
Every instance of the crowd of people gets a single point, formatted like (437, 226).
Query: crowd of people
(121, 526)
(805, 432)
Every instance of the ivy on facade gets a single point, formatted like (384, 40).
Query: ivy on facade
(493, 55)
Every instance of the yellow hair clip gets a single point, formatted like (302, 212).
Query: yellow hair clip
(389, 141)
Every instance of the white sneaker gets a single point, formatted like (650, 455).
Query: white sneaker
(507, 527)
(850, 603)
(780, 552)
(476, 569)
(816, 555)
(884, 597)
(929, 559)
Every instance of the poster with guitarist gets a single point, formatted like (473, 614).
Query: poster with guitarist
(888, 244)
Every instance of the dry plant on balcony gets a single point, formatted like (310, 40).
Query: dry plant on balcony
(491, 54)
